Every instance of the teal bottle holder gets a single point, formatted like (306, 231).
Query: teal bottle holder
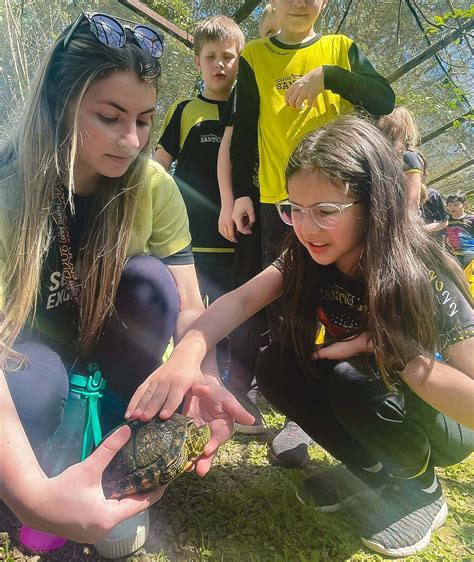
(91, 388)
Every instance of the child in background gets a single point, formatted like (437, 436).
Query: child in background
(390, 298)
(246, 341)
(400, 129)
(460, 229)
(191, 135)
(433, 210)
(288, 85)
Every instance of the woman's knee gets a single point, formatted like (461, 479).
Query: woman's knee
(148, 288)
(39, 390)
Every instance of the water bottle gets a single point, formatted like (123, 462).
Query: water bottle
(72, 441)
(129, 535)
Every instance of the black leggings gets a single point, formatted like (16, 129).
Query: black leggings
(130, 348)
(347, 410)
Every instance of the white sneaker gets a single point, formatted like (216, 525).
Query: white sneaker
(126, 537)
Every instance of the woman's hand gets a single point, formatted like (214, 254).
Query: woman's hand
(226, 225)
(163, 391)
(346, 348)
(212, 403)
(307, 88)
(73, 505)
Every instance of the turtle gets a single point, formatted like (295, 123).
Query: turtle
(157, 452)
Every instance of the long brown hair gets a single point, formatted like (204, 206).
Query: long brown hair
(397, 254)
(41, 153)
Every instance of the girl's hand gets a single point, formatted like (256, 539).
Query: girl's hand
(73, 505)
(308, 87)
(163, 390)
(213, 404)
(226, 225)
(345, 349)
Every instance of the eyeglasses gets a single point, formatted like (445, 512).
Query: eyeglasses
(325, 215)
(111, 32)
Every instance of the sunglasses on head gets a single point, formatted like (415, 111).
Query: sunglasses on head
(109, 31)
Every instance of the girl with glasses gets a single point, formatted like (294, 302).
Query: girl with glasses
(95, 265)
(373, 395)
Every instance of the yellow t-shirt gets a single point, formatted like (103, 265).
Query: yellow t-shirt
(267, 69)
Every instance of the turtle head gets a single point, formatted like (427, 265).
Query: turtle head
(196, 440)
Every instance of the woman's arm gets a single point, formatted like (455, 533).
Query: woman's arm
(72, 504)
(449, 387)
(224, 175)
(166, 387)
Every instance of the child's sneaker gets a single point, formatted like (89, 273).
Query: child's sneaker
(402, 521)
(253, 393)
(328, 490)
(290, 447)
(257, 427)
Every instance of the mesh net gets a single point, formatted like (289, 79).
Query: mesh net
(389, 32)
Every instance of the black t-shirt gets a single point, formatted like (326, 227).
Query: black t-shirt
(57, 314)
(342, 309)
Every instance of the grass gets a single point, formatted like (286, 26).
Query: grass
(245, 510)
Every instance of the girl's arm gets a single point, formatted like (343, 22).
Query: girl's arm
(413, 187)
(449, 388)
(224, 176)
(163, 158)
(166, 387)
(72, 504)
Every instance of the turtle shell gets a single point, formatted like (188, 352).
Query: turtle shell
(157, 452)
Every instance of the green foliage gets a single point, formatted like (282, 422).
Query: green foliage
(176, 11)
(449, 18)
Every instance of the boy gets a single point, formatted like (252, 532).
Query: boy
(288, 85)
(460, 229)
(191, 135)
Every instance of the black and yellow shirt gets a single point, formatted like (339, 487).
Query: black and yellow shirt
(160, 228)
(267, 69)
(191, 134)
(412, 163)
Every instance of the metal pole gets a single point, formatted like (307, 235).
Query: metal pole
(161, 22)
(430, 51)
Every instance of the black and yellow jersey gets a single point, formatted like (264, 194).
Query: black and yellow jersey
(191, 134)
(267, 69)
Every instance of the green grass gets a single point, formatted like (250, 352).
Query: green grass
(245, 509)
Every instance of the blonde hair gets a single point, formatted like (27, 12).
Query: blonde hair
(39, 156)
(400, 128)
(217, 28)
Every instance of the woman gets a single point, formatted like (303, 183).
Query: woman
(95, 262)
